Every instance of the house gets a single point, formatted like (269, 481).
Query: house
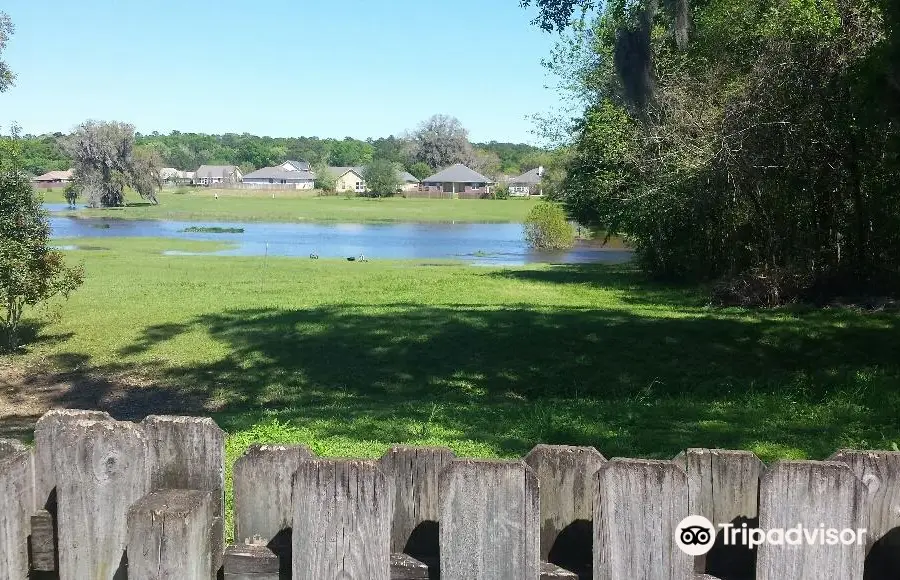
(280, 178)
(170, 175)
(351, 179)
(53, 179)
(529, 183)
(217, 174)
(457, 180)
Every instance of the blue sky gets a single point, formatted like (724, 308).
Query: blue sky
(277, 67)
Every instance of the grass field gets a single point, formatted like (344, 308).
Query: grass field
(298, 206)
(350, 358)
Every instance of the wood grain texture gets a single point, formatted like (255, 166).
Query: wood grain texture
(168, 536)
(723, 487)
(342, 521)
(189, 453)
(46, 441)
(262, 480)
(490, 521)
(405, 567)
(43, 542)
(101, 469)
(879, 471)
(16, 502)
(416, 473)
(566, 477)
(811, 493)
(638, 506)
(248, 562)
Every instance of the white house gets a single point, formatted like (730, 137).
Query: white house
(217, 174)
(273, 177)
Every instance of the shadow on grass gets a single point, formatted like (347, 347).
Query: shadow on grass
(646, 385)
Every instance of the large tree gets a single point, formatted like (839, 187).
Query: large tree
(382, 178)
(6, 30)
(749, 142)
(441, 141)
(30, 270)
(106, 162)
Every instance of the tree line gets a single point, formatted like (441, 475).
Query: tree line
(750, 143)
(439, 141)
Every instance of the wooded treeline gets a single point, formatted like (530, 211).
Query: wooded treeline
(751, 142)
(188, 151)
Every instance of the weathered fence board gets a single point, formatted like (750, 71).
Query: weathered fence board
(16, 501)
(566, 476)
(43, 542)
(811, 493)
(262, 491)
(723, 487)
(342, 521)
(189, 453)
(100, 469)
(416, 473)
(46, 441)
(637, 509)
(168, 536)
(249, 562)
(490, 521)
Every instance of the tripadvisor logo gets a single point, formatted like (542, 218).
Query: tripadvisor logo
(695, 536)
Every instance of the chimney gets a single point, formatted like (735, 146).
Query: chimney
(541, 171)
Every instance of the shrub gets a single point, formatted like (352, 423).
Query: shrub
(501, 191)
(547, 228)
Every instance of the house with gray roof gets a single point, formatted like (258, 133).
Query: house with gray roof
(458, 181)
(529, 183)
(300, 165)
(217, 175)
(280, 178)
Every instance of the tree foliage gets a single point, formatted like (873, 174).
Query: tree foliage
(30, 270)
(743, 141)
(441, 141)
(546, 227)
(106, 162)
(382, 178)
(6, 30)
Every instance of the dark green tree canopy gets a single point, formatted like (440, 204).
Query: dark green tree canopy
(6, 30)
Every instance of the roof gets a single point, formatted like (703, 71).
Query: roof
(458, 173)
(407, 177)
(55, 176)
(280, 173)
(532, 177)
(300, 165)
(339, 171)
(215, 170)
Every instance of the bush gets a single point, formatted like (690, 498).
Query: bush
(546, 228)
(501, 191)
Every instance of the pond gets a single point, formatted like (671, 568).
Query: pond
(482, 244)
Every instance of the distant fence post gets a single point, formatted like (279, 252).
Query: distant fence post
(811, 494)
(101, 470)
(879, 471)
(189, 453)
(168, 536)
(490, 521)
(566, 476)
(342, 521)
(16, 503)
(416, 475)
(723, 487)
(638, 506)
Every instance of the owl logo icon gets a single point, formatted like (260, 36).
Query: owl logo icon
(695, 535)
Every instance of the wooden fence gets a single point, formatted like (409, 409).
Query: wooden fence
(109, 500)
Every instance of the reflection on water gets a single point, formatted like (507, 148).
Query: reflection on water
(488, 244)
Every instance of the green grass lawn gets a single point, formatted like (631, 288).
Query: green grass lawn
(239, 205)
(350, 358)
